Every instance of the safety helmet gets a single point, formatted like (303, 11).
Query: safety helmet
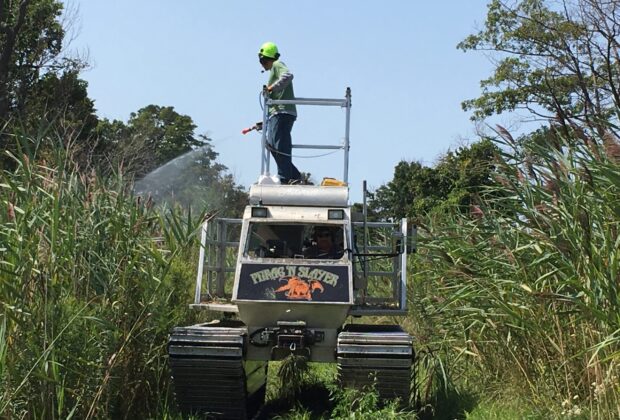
(269, 50)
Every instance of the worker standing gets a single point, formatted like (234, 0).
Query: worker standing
(281, 117)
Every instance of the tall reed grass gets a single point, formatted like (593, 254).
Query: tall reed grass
(92, 279)
(523, 292)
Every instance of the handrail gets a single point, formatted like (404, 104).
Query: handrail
(398, 274)
(201, 259)
(218, 266)
(343, 103)
(403, 266)
(309, 101)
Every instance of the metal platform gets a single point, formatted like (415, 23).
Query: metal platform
(217, 307)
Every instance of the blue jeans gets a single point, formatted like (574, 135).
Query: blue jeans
(280, 126)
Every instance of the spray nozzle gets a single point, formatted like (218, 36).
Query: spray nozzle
(258, 127)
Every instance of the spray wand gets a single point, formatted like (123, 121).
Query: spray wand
(258, 127)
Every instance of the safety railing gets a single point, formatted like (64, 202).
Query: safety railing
(219, 243)
(343, 103)
(380, 268)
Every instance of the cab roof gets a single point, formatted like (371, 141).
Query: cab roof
(299, 195)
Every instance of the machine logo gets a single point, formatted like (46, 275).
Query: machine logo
(279, 272)
(291, 282)
(297, 288)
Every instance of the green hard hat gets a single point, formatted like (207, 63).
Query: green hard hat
(269, 50)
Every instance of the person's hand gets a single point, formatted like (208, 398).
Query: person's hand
(269, 88)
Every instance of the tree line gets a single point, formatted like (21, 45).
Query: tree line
(557, 63)
(44, 99)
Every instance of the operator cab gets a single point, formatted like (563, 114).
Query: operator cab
(291, 254)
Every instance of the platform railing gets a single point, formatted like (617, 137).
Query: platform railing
(377, 247)
(214, 246)
(342, 103)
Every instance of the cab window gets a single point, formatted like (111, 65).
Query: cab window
(276, 240)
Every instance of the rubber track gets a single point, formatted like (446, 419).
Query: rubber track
(368, 357)
(209, 374)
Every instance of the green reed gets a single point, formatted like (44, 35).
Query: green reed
(92, 279)
(524, 292)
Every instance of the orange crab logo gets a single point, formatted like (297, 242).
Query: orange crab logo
(297, 288)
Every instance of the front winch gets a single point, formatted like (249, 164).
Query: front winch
(289, 337)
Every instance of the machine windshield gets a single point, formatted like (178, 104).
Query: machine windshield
(277, 240)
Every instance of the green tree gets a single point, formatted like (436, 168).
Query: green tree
(60, 102)
(413, 190)
(558, 60)
(39, 86)
(31, 36)
(109, 136)
(155, 135)
(456, 179)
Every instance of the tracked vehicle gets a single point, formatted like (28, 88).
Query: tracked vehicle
(279, 291)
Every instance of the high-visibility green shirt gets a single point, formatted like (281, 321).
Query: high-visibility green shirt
(281, 82)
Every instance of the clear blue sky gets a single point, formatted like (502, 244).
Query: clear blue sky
(399, 58)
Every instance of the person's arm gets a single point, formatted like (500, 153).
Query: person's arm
(285, 77)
